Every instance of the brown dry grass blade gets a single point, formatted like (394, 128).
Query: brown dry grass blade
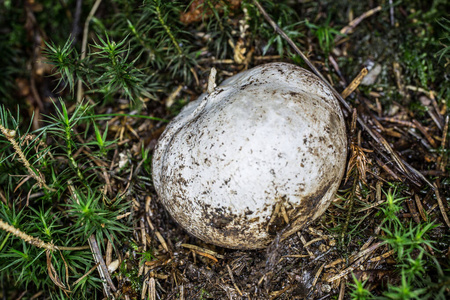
(53, 274)
(108, 285)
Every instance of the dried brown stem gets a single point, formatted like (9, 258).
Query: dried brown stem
(425, 133)
(354, 84)
(233, 281)
(54, 275)
(10, 136)
(25, 237)
(362, 256)
(413, 210)
(316, 276)
(89, 272)
(442, 159)
(441, 207)
(349, 28)
(34, 240)
(84, 44)
(420, 207)
(2, 197)
(108, 285)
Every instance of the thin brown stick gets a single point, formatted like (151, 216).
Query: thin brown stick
(207, 255)
(66, 267)
(387, 169)
(382, 256)
(304, 242)
(375, 136)
(342, 290)
(354, 84)
(425, 133)
(25, 237)
(372, 238)
(413, 210)
(53, 274)
(396, 121)
(336, 68)
(34, 240)
(441, 206)
(349, 28)
(335, 262)
(314, 241)
(366, 251)
(442, 159)
(420, 207)
(317, 275)
(152, 289)
(10, 136)
(108, 285)
(109, 249)
(232, 280)
(204, 250)
(84, 44)
(89, 272)
(2, 197)
(363, 255)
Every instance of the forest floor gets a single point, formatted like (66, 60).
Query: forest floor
(88, 87)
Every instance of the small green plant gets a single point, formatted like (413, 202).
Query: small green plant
(218, 26)
(93, 215)
(359, 292)
(405, 290)
(445, 24)
(107, 69)
(65, 60)
(325, 34)
(411, 244)
(284, 16)
(118, 73)
(159, 35)
(291, 31)
(44, 244)
(404, 240)
(101, 140)
(392, 207)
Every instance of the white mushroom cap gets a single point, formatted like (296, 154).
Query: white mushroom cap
(273, 136)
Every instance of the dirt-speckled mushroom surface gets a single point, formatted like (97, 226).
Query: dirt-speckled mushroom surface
(267, 147)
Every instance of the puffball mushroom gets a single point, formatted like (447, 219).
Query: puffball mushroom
(265, 149)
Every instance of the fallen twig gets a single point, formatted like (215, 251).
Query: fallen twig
(354, 84)
(362, 256)
(233, 281)
(34, 240)
(316, 276)
(441, 206)
(204, 250)
(108, 285)
(84, 44)
(349, 28)
(442, 159)
(10, 136)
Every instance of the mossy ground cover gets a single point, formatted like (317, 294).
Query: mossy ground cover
(87, 87)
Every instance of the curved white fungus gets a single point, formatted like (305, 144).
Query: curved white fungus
(265, 149)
